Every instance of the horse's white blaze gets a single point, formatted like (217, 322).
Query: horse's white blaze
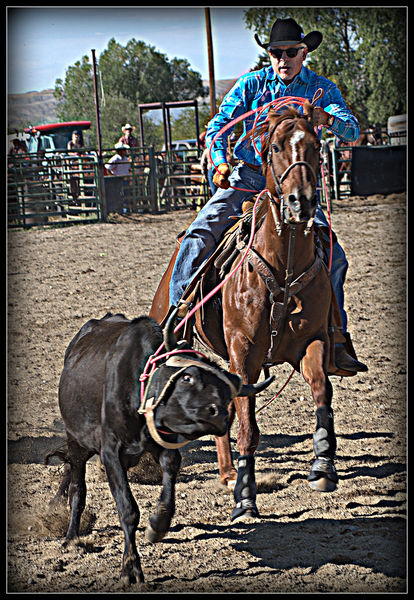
(295, 139)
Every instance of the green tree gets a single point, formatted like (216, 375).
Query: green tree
(183, 126)
(128, 75)
(75, 94)
(363, 52)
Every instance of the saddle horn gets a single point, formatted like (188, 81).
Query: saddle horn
(170, 339)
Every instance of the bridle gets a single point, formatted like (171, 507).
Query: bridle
(278, 180)
(279, 310)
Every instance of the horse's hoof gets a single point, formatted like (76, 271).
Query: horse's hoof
(152, 535)
(246, 517)
(231, 483)
(323, 476)
(323, 484)
(245, 511)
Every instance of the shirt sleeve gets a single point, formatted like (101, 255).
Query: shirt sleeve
(111, 165)
(234, 104)
(345, 125)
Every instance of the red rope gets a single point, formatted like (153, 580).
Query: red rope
(229, 275)
(278, 103)
(276, 395)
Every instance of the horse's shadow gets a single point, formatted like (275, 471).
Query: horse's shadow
(377, 543)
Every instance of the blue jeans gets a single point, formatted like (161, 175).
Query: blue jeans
(206, 230)
(212, 185)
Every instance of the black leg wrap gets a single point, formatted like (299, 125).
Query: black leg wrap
(324, 446)
(245, 488)
(324, 440)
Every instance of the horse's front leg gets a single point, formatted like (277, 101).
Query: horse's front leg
(247, 441)
(227, 471)
(322, 477)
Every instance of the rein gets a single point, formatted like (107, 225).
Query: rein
(147, 405)
(278, 187)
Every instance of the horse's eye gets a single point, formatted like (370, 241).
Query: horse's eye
(275, 147)
(187, 379)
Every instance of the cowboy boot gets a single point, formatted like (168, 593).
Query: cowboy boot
(345, 357)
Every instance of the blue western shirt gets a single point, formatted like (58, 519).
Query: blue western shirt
(258, 88)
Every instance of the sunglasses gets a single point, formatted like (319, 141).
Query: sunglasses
(290, 52)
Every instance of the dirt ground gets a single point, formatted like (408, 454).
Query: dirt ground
(352, 540)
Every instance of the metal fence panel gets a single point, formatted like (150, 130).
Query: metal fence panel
(180, 181)
(52, 189)
(60, 187)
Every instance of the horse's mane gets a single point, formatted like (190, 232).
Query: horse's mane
(266, 129)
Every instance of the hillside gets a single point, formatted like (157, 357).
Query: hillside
(32, 108)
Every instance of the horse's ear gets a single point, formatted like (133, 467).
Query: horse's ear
(308, 111)
(272, 116)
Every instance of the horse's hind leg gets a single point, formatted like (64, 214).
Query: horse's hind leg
(322, 477)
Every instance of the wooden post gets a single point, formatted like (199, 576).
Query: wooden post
(101, 181)
(212, 83)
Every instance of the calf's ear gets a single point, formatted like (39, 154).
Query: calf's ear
(251, 389)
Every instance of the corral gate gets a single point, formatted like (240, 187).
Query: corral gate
(51, 189)
(59, 188)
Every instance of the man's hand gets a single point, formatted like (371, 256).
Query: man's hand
(320, 117)
(221, 176)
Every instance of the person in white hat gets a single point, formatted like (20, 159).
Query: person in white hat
(128, 138)
(119, 164)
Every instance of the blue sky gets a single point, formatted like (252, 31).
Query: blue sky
(44, 41)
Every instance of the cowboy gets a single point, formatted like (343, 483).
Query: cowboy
(128, 138)
(287, 76)
(119, 164)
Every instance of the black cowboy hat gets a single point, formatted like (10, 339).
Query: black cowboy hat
(286, 32)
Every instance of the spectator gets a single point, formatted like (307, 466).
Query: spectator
(18, 146)
(76, 141)
(74, 144)
(128, 138)
(119, 164)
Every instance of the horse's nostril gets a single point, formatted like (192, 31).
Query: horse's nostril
(294, 204)
(213, 410)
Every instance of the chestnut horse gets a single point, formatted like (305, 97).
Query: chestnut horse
(277, 306)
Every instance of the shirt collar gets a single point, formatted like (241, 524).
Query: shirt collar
(303, 75)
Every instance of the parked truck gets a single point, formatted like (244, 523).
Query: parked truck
(53, 136)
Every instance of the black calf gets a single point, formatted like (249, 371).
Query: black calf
(99, 398)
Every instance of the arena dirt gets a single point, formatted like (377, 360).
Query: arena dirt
(352, 540)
